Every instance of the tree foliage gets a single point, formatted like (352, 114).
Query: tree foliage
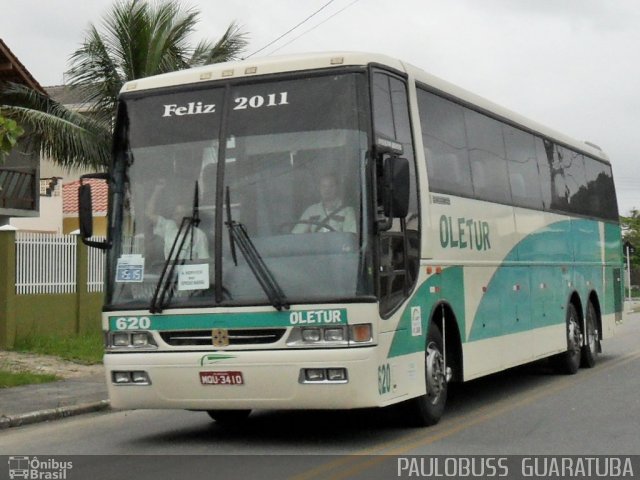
(138, 39)
(135, 39)
(68, 137)
(631, 234)
(10, 131)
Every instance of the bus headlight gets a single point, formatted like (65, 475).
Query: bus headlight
(334, 334)
(140, 339)
(131, 340)
(311, 334)
(119, 339)
(331, 336)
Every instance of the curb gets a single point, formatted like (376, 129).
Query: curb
(8, 421)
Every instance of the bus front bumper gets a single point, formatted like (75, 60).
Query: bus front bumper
(270, 379)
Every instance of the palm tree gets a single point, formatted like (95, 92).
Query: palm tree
(136, 39)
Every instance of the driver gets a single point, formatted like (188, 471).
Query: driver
(167, 228)
(328, 215)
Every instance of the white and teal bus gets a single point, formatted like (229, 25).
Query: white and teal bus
(478, 241)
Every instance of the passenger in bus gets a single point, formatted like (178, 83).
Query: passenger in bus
(167, 228)
(330, 214)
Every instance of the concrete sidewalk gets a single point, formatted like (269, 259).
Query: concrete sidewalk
(49, 401)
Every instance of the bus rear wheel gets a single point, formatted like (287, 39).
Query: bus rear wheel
(590, 347)
(568, 362)
(229, 417)
(427, 409)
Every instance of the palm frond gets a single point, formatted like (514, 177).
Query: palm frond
(135, 39)
(229, 47)
(68, 138)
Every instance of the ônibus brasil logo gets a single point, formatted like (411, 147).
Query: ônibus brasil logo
(38, 469)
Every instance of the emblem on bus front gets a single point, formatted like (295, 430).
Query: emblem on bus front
(220, 337)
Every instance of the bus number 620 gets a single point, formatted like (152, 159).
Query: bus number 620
(133, 323)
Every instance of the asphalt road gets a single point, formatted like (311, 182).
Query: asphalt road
(524, 411)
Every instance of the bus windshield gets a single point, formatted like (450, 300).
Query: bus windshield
(282, 160)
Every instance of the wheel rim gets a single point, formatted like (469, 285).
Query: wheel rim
(436, 380)
(592, 336)
(574, 337)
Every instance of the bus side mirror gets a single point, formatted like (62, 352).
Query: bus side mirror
(396, 187)
(85, 211)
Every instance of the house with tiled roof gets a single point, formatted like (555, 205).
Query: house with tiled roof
(19, 173)
(70, 209)
(58, 208)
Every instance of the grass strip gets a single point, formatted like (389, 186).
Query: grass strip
(13, 379)
(85, 349)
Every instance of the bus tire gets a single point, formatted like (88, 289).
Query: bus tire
(589, 351)
(427, 409)
(229, 418)
(568, 362)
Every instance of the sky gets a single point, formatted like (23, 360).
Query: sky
(569, 64)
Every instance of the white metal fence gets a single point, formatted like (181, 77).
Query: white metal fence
(95, 267)
(47, 263)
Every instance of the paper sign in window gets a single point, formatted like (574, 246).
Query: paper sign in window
(130, 269)
(193, 277)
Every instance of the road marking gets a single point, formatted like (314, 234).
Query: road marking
(441, 431)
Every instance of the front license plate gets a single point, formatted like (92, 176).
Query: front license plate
(221, 378)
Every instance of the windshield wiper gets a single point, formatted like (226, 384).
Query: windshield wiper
(238, 235)
(166, 280)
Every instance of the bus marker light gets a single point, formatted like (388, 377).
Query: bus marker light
(438, 270)
(227, 73)
(206, 76)
(429, 270)
(361, 332)
(250, 70)
(337, 60)
(484, 289)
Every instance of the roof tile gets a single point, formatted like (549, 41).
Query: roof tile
(99, 196)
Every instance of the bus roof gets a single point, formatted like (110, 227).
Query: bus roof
(312, 61)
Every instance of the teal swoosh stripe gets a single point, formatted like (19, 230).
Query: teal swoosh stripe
(504, 310)
(542, 290)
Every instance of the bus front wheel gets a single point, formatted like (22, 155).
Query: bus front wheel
(427, 409)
